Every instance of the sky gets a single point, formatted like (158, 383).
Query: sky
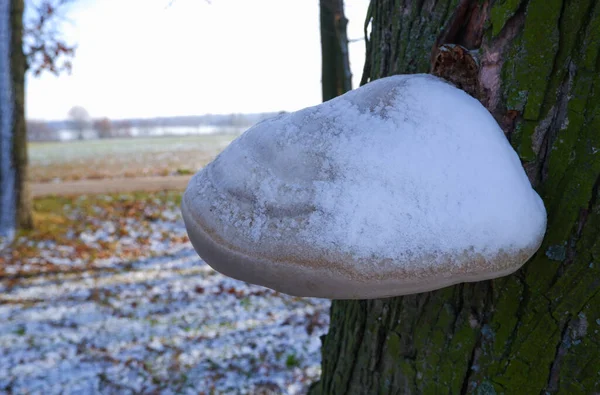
(155, 58)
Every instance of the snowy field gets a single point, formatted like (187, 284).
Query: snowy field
(165, 323)
(126, 157)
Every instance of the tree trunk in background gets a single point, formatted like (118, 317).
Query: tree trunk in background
(18, 68)
(15, 209)
(335, 69)
(537, 331)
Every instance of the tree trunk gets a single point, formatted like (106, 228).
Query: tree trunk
(537, 331)
(18, 68)
(15, 209)
(335, 63)
(7, 173)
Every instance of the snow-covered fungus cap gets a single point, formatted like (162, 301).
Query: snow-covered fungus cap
(404, 185)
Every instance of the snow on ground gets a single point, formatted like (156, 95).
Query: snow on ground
(161, 324)
(168, 324)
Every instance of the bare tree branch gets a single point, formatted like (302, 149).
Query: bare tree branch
(43, 44)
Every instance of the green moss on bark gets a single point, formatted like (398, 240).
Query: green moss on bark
(501, 12)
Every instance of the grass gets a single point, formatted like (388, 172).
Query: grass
(60, 223)
(130, 157)
(52, 215)
(292, 361)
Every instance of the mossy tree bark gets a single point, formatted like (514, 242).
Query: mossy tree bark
(335, 63)
(538, 330)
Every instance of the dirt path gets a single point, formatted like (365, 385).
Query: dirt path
(115, 185)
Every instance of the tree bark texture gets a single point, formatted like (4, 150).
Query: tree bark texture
(335, 63)
(535, 65)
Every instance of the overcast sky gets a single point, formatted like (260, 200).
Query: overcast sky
(144, 58)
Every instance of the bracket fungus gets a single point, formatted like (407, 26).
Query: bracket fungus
(404, 185)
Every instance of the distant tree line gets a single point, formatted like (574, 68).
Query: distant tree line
(82, 126)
